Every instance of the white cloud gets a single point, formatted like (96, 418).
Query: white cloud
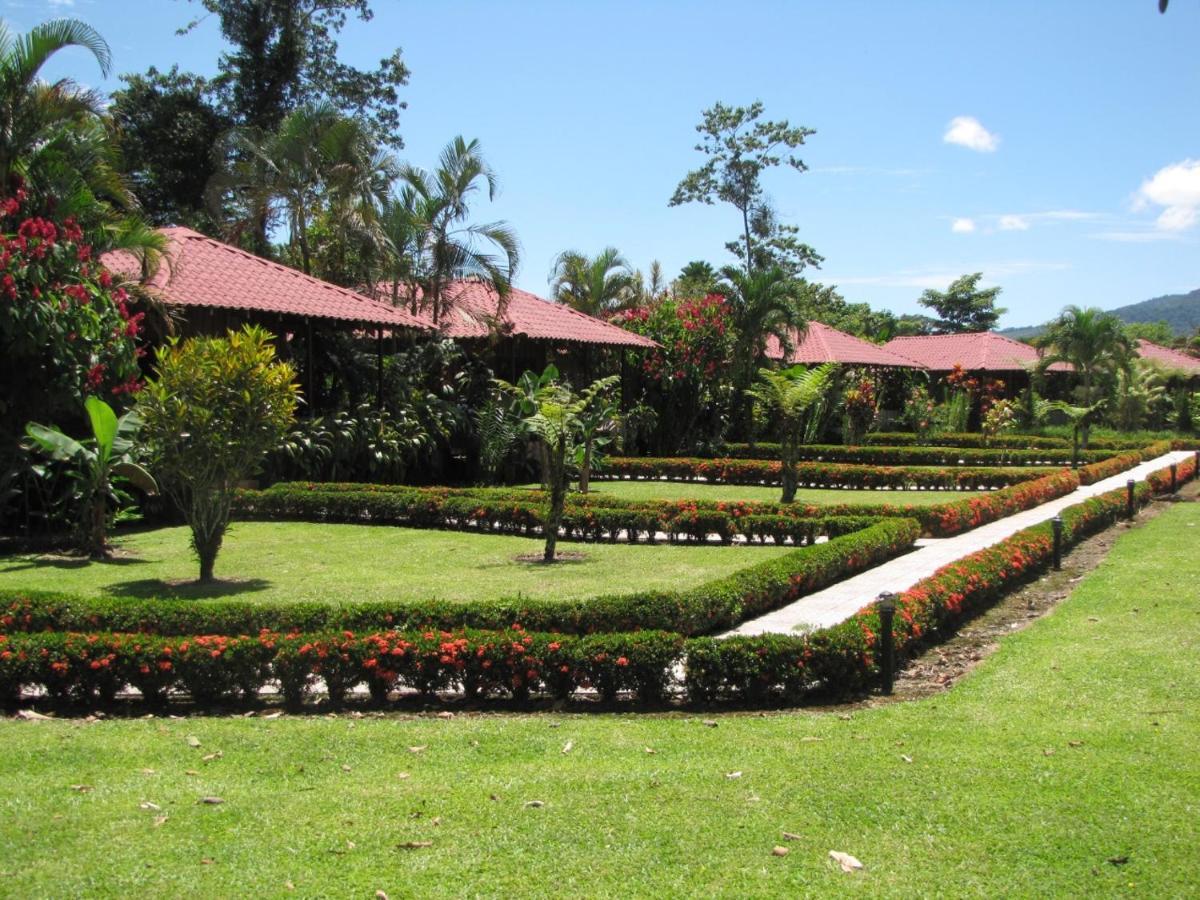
(967, 131)
(1176, 188)
(1013, 223)
(963, 226)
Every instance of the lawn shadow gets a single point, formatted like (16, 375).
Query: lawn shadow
(33, 563)
(186, 590)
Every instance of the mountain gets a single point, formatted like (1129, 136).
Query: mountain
(1180, 311)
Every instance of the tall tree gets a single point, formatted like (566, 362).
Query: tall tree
(697, 279)
(740, 148)
(284, 53)
(964, 306)
(593, 285)
(439, 244)
(167, 124)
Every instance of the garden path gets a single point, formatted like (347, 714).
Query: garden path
(840, 601)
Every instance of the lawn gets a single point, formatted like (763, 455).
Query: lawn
(267, 561)
(1065, 765)
(680, 490)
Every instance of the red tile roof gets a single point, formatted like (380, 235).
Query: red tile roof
(822, 343)
(977, 351)
(1168, 358)
(202, 272)
(473, 308)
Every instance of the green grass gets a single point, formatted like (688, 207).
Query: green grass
(998, 799)
(267, 561)
(680, 490)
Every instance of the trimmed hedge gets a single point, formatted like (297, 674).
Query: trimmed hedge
(714, 605)
(213, 669)
(767, 472)
(920, 456)
(524, 513)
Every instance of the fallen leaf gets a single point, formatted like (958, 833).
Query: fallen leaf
(149, 772)
(568, 746)
(418, 749)
(650, 750)
(274, 715)
(345, 768)
(206, 861)
(81, 788)
(289, 885)
(845, 860)
(709, 723)
(906, 758)
(193, 741)
(191, 772)
(209, 757)
(415, 845)
(446, 714)
(1049, 751)
(211, 801)
(403, 775)
(435, 821)
(1074, 743)
(845, 717)
(493, 797)
(1118, 860)
(146, 804)
(733, 774)
(810, 740)
(380, 895)
(780, 851)
(534, 804)
(30, 715)
(159, 821)
(791, 836)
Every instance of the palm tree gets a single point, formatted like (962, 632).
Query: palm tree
(318, 156)
(440, 245)
(1094, 343)
(762, 304)
(790, 396)
(593, 286)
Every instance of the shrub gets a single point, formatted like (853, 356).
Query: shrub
(215, 408)
(919, 456)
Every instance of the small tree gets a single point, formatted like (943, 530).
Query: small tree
(964, 306)
(215, 408)
(596, 425)
(556, 423)
(98, 466)
(790, 396)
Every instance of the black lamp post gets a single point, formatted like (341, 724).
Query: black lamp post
(1057, 524)
(1129, 499)
(887, 649)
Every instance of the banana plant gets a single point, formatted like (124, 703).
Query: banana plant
(100, 465)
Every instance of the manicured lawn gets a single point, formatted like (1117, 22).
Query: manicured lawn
(1065, 765)
(266, 561)
(679, 490)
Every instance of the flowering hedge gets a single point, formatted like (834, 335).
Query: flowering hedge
(1016, 441)
(768, 472)
(711, 606)
(919, 456)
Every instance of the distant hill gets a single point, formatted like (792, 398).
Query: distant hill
(1180, 311)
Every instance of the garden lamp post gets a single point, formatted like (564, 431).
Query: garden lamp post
(887, 650)
(1129, 499)
(1057, 524)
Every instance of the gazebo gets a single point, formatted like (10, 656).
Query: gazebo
(217, 286)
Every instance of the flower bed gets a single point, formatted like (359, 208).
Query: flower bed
(921, 456)
(767, 472)
(714, 605)
(511, 662)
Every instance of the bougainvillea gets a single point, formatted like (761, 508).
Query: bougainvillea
(66, 330)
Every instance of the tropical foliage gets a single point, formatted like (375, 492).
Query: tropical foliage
(790, 396)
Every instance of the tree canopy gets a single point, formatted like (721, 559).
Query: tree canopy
(964, 306)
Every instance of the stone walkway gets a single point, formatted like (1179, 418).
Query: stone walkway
(842, 600)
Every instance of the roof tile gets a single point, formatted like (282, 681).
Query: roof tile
(822, 343)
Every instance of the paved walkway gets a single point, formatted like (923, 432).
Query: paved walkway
(842, 600)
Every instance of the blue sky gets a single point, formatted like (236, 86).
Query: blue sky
(1053, 146)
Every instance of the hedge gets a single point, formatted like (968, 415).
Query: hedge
(920, 456)
(524, 513)
(714, 605)
(213, 668)
(767, 472)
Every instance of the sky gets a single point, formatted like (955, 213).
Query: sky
(1053, 146)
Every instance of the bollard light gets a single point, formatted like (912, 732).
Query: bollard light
(1129, 499)
(887, 649)
(1174, 478)
(1057, 524)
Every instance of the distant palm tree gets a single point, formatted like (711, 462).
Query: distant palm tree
(593, 286)
(1094, 343)
(762, 304)
(438, 244)
(317, 157)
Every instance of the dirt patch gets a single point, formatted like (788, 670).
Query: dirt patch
(944, 664)
(562, 556)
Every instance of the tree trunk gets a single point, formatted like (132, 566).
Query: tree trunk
(96, 543)
(558, 499)
(788, 474)
(585, 470)
(206, 540)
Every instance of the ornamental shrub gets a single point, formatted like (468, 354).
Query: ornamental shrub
(215, 407)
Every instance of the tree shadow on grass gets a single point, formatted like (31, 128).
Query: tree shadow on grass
(186, 590)
(34, 563)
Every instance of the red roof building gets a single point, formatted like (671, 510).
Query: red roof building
(822, 343)
(1172, 360)
(200, 273)
(980, 351)
(472, 311)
